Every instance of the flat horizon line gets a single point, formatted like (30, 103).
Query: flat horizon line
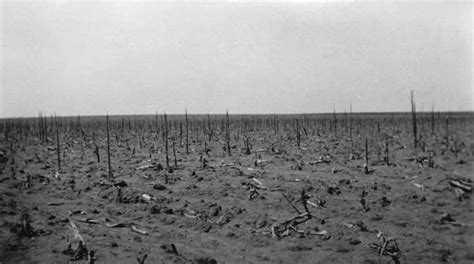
(241, 114)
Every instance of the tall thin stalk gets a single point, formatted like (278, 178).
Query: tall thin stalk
(227, 133)
(209, 128)
(174, 153)
(180, 133)
(166, 140)
(275, 123)
(58, 151)
(5, 131)
(45, 119)
(108, 149)
(335, 120)
(350, 122)
(79, 127)
(123, 124)
(156, 123)
(40, 127)
(298, 134)
(432, 120)
(447, 132)
(187, 131)
(413, 113)
(366, 158)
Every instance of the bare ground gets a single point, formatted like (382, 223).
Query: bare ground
(202, 215)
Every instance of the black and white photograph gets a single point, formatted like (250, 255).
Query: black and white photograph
(202, 132)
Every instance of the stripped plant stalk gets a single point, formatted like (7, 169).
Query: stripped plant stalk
(227, 133)
(432, 120)
(350, 122)
(413, 113)
(187, 131)
(174, 153)
(57, 143)
(335, 120)
(110, 176)
(166, 140)
(366, 158)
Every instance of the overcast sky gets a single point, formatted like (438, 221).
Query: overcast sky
(87, 58)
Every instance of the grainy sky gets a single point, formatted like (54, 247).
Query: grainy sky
(71, 57)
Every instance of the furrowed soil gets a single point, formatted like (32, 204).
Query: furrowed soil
(215, 208)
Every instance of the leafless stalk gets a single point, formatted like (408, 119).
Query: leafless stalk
(366, 158)
(108, 149)
(432, 120)
(227, 133)
(298, 134)
(58, 151)
(166, 140)
(414, 122)
(335, 120)
(174, 153)
(187, 132)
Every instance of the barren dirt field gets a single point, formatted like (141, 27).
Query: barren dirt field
(295, 189)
